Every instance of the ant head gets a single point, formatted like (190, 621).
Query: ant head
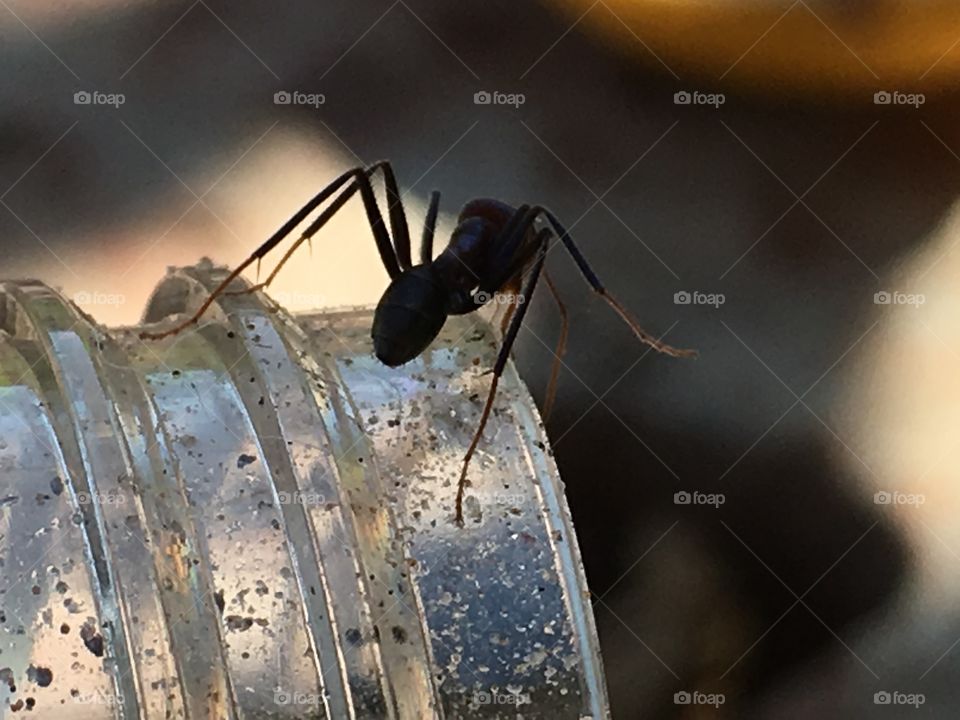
(409, 316)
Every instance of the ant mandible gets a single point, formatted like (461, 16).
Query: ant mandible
(490, 250)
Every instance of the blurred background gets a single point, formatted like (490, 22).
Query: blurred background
(773, 183)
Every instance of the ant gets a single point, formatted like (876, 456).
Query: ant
(492, 247)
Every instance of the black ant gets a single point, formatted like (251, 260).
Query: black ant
(492, 247)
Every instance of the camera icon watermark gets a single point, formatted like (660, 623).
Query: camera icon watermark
(306, 499)
(895, 97)
(287, 697)
(484, 97)
(895, 697)
(495, 697)
(285, 97)
(695, 297)
(695, 697)
(95, 97)
(884, 497)
(86, 298)
(498, 298)
(695, 97)
(886, 297)
(684, 497)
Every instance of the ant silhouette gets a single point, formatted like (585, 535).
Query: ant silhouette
(491, 249)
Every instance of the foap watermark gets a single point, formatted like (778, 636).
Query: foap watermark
(696, 297)
(95, 97)
(895, 697)
(99, 498)
(485, 97)
(695, 697)
(894, 497)
(84, 297)
(301, 498)
(511, 499)
(695, 97)
(895, 97)
(495, 697)
(886, 297)
(295, 97)
(499, 298)
(285, 697)
(698, 498)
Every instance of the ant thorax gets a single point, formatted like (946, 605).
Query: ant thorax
(464, 261)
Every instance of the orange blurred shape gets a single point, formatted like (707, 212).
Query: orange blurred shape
(820, 47)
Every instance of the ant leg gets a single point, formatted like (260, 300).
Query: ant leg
(589, 275)
(389, 254)
(561, 347)
(361, 182)
(515, 250)
(529, 286)
(511, 288)
(509, 239)
(598, 287)
(322, 220)
(288, 227)
(429, 226)
(398, 219)
(513, 285)
(390, 261)
(398, 223)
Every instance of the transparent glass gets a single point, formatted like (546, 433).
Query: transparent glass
(254, 519)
